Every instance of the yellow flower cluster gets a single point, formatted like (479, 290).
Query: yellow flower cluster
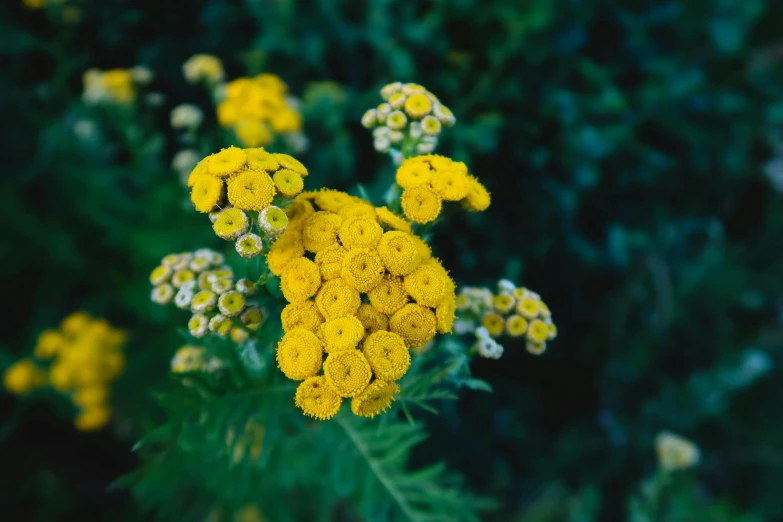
(201, 283)
(191, 358)
(675, 452)
(430, 181)
(85, 357)
(117, 86)
(409, 121)
(362, 290)
(203, 68)
(513, 311)
(258, 108)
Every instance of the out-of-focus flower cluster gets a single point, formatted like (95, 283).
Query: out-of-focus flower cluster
(430, 181)
(191, 358)
(237, 188)
(248, 445)
(675, 452)
(84, 356)
(203, 68)
(201, 283)
(115, 86)
(512, 311)
(362, 290)
(259, 108)
(409, 121)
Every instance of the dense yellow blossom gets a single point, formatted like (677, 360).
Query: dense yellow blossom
(206, 193)
(49, 343)
(291, 163)
(231, 303)
(251, 190)
(230, 224)
(418, 105)
(334, 200)
(300, 280)
(330, 261)
(113, 86)
(372, 320)
(389, 296)
(226, 162)
(288, 246)
(421, 204)
(416, 324)
(375, 399)
(252, 317)
(516, 325)
(426, 285)
(450, 185)
(413, 174)
(494, 324)
(288, 182)
(387, 354)
(445, 314)
(360, 233)
(92, 418)
(392, 220)
(299, 354)
(249, 245)
(359, 210)
(347, 372)
(342, 333)
(362, 269)
(317, 399)
(302, 314)
(321, 231)
(478, 199)
(22, 377)
(336, 298)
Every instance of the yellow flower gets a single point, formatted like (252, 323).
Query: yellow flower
(231, 224)
(302, 314)
(249, 245)
(444, 114)
(444, 314)
(330, 261)
(392, 220)
(291, 163)
(535, 348)
(252, 133)
(92, 419)
(203, 301)
(49, 343)
(399, 252)
(286, 248)
(413, 173)
(188, 359)
(181, 277)
(375, 399)
(288, 182)
(333, 200)
(238, 335)
(198, 325)
(537, 332)
(396, 120)
(220, 325)
(528, 308)
(387, 354)
(231, 303)
(516, 325)
(252, 317)
(199, 170)
(543, 310)
(362, 269)
(414, 323)
(251, 190)
(221, 286)
(226, 162)
(420, 204)
(422, 247)
(22, 377)
(449, 286)
(388, 90)
(430, 126)
(321, 231)
(551, 331)
(412, 88)
(299, 354)
(389, 296)
(425, 285)
(228, 113)
(494, 324)
(203, 67)
(298, 212)
(206, 194)
(360, 233)
(336, 299)
(61, 376)
(342, 333)
(358, 211)
(372, 320)
(347, 372)
(160, 275)
(503, 303)
(675, 452)
(260, 159)
(162, 294)
(317, 399)
(397, 100)
(451, 185)
(478, 199)
(300, 280)
(91, 396)
(418, 105)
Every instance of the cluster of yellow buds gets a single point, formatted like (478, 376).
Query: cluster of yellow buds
(430, 181)
(115, 86)
(238, 187)
(201, 283)
(84, 357)
(512, 311)
(259, 108)
(203, 68)
(409, 121)
(363, 290)
(191, 358)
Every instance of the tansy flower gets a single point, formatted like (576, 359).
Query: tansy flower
(399, 252)
(260, 159)
(342, 333)
(478, 199)
(430, 126)
(396, 120)
(372, 320)
(388, 90)
(336, 299)
(369, 119)
(238, 335)
(198, 325)
(321, 230)
(330, 261)
(226, 162)
(444, 314)
(288, 182)
(358, 211)
(184, 297)
(231, 224)
(206, 193)
(298, 212)
(413, 174)
(251, 190)
(160, 275)
(220, 324)
(551, 331)
(451, 185)
(291, 163)
(503, 303)
(302, 314)
(392, 220)
(417, 106)
(91, 396)
(462, 302)
(300, 280)
(249, 245)
(375, 399)
(420, 204)
(203, 301)
(444, 114)
(387, 354)
(92, 419)
(186, 116)
(285, 249)
(170, 260)
(188, 359)
(221, 286)
(49, 343)
(299, 354)
(490, 349)
(22, 377)
(537, 332)
(516, 325)
(252, 317)
(317, 399)
(528, 308)
(413, 88)
(347, 372)
(251, 133)
(333, 200)
(203, 67)
(396, 100)
(273, 220)
(360, 233)
(198, 265)
(231, 303)
(543, 309)
(425, 285)
(221, 273)
(414, 323)
(494, 324)
(535, 348)
(362, 269)
(162, 294)
(247, 287)
(382, 112)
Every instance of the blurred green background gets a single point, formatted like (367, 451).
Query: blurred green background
(630, 147)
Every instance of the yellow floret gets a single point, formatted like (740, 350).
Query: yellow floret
(503, 303)
(371, 319)
(360, 233)
(300, 280)
(375, 399)
(260, 159)
(330, 261)
(199, 170)
(22, 377)
(392, 220)
(251, 190)
(413, 174)
(317, 399)
(414, 323)
(426, 286)
(516, 325)
(336, 299)
(478, 199)
(420, 204)
(389, 296)
(494, 324)
(303, 314)
(528, 308)
(286, 248)
(399, 252)
(358, 210)
(537, 332)
(362, 269)
(51, 341)
(320, 231)
(444, 314)
(291, 163)
(226, 162)
(333, 200)
(450, 185)
(298, 212)
(206, 194)
(299, 354)
(92, 419)
(231, 303)
(230, 224)
(342, 333)
(253, 133)
(425, 252)
(418, 105)
(288, 182)
(387, 354)
(348, 373)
